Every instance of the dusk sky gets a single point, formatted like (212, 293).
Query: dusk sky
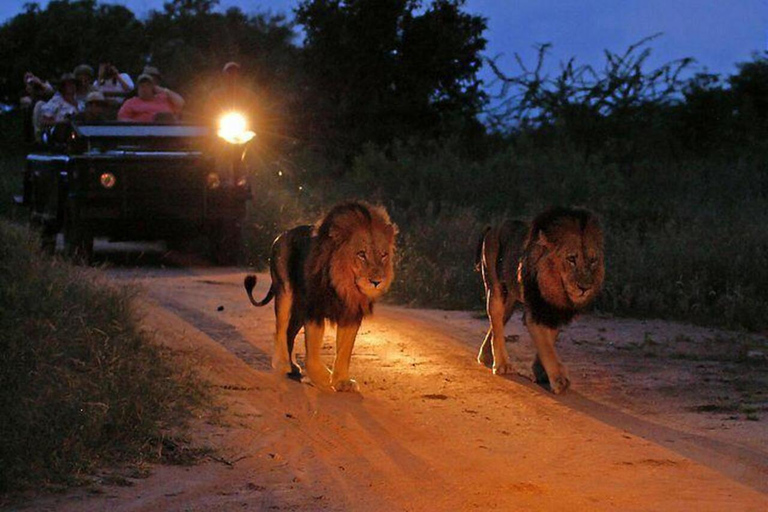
(718, 33)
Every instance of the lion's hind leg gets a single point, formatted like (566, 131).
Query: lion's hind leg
(485, 355)
(281, 357)
(294, 326)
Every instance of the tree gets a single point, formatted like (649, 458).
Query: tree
(54, 40)
(385, 69)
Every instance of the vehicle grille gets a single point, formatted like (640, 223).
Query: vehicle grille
(163, 189)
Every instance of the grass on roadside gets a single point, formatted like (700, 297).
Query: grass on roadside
(81, 386)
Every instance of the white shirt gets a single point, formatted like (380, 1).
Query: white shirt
(58, 109)
(113, 89)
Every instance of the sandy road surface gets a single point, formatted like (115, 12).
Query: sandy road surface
(432, 430)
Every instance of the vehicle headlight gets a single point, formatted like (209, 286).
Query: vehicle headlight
(107, 180)
(233, 128)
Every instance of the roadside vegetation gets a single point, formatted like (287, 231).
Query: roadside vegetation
(81, 386)
(673, 160)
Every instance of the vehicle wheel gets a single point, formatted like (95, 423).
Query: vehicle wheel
(78, 238)
(225, 243)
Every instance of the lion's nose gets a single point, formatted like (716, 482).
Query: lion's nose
(375, 283)
(584, 289)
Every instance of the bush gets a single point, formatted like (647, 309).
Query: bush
(436, 257)
(80, 384)
(684, 240)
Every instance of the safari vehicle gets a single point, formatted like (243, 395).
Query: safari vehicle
(130, 181)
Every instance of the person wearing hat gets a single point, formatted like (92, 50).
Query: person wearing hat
(115, 86)
(153, 72)
(37, 93)
(151, 101)
(63, 105)
(233, 95)
(84, 77)
(96, 108)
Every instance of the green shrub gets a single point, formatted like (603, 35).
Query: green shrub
(436, 258)
(684, 240)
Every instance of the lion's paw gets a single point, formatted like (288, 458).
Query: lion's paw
(282, 367)
(485, 358)
(559, 384)
(505, 368)
(346, 386)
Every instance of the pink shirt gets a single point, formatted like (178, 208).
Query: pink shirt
(138, 110)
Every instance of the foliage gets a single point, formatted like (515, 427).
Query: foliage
(54, 40)
(384, 70)
(80, 384)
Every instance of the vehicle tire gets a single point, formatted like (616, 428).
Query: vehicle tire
(78, 238)
(225, 242)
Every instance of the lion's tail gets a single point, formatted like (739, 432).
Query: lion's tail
(479, 250)
(250, 283)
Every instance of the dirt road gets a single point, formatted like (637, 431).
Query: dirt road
(432, 430)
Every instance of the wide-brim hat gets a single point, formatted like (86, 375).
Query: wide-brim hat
(231, 66)
(145, 77)
(95, 97)
(84, 69)
(151, 71)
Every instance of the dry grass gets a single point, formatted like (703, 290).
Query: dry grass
(81, 385)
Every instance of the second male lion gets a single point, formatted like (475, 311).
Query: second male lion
(555, 268)
(333, 271)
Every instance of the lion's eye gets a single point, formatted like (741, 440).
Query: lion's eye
(362, 255)
(571, 259)
(384, 256)
(592, 261)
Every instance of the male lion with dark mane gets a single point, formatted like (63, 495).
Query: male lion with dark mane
(333, 271)
(554, 267)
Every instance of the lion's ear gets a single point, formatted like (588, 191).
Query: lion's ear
(543, 241)
(338, 233)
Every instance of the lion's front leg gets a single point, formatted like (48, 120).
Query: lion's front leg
(345, 342)
(544, 338)
(317, 371)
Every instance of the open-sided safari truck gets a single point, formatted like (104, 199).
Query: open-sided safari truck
(129, 181)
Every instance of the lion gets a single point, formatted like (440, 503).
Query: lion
(333, 271)
(554, 267)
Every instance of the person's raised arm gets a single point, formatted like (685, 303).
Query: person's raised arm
(124, 80)
(173, 97)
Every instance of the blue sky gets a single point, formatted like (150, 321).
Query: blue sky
(718, 33)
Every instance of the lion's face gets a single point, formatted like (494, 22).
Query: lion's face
(371, 255)
(573, 263)
(363, 242)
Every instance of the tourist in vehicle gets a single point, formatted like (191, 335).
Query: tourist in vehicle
(115, 86)
(63, 105)
(97, 109)
(152, 101)
(36, 89)
(154, 73)
(84, 76)
(37, 93)
(233, 95)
